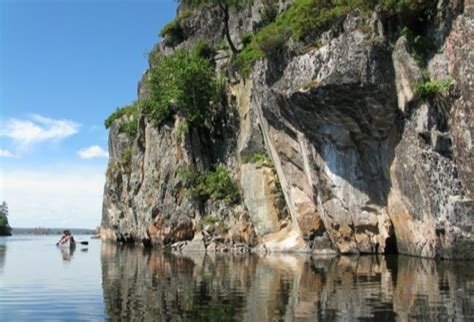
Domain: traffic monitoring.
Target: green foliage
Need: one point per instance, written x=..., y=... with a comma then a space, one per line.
x=274, y=41
x=129, y=127
x=199, y=3
x=245, y=60
x=124, y=162
x=420, y=47
x=269, y=12
x=182, y=83
x=5, y=229
x=433, y=88
x=128, y=124
x=261, y=158
x=182, y=128
x=406, y=8
x=213, y=185
x=247, y=38
x=278, y=187
x=204, y=50
x=173, y=32
x=125, y=159
x=207, y=220
x=129, y=110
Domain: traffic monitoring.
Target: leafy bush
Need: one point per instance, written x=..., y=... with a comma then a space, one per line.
x=433, y=88
x=274, y=41
x=204, y=50
x=129, y=127
x=261, y=158
x=128, y=124
x=213, y=185
x=173, y=32
x=217, y=184
x=129, y=110
x=182, y=83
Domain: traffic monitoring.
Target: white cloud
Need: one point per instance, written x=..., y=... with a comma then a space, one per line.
x=91, y=152
x=63, y=197
x=6, y=154
x=38, y=129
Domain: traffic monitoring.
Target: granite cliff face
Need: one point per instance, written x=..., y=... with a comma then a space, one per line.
x=343, y=146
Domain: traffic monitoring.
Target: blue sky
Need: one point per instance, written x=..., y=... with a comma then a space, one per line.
x=65, y=66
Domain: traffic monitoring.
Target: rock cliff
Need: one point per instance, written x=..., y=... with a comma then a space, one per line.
x=351, y=136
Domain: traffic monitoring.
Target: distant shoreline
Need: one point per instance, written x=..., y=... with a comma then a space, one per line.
x=50, y=231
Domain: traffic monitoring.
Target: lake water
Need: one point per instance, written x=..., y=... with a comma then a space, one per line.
x=39, y=282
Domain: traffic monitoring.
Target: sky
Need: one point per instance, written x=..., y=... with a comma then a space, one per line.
x=65, y=65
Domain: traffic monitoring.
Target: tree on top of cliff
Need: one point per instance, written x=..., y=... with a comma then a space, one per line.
x=5, y=229
x=224, y=6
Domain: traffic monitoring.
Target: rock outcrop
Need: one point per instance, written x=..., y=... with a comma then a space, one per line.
x=334, y=148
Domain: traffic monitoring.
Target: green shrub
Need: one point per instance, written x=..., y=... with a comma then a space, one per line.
x=217, y=184
x=129, y=127
x=204, y=50
x=213, y=185
x=173, y=32
x=182, y=128
x=128, y=124
x=261, y=158
x=247, y=38
x=274, y=41
x=245, y=60
x=269, y=12
x=182, y=83
x=433, y=88
x=129, y=110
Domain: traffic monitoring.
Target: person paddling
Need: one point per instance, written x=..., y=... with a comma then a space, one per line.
x=66, y=237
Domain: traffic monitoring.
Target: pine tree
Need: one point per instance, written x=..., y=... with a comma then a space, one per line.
x=5, y=229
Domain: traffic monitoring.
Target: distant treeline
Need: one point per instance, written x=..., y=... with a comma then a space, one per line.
x=50, y=231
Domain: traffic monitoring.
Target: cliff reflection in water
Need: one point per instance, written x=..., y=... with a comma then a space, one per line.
x=141, y=285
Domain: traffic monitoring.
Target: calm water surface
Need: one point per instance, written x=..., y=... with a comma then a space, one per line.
x=40, y=282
